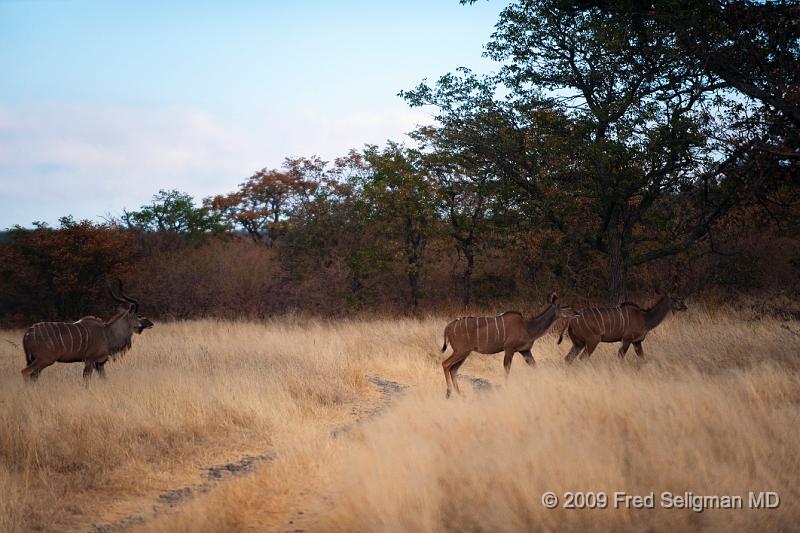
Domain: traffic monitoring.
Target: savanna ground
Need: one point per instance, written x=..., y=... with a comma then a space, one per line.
x=714, y=409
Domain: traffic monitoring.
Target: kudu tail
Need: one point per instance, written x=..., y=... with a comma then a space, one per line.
x=444, y=346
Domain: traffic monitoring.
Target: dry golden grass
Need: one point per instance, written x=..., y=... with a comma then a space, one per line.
x=714, y=410
x=188, y=393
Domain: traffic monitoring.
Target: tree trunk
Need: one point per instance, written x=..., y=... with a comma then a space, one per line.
x=413, y=283
x=414, y=245
x=466, y=276
x=617, y=265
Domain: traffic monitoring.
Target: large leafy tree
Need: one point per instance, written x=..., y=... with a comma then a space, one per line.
x=175, y=212
x=598, y=127
x=264, y=201
x=754, y=49
x=467, y=196
x=399, y=198
x=328, y=231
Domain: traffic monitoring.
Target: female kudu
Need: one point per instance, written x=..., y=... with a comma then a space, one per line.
x=509, y=332
x=628, y=323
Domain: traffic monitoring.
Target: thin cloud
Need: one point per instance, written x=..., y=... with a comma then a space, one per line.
x=94, y=160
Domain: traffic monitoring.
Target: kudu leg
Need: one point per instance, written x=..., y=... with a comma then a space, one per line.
x=31, y=372
x=446, y=369
x=624, y=348
x=454, y=371
x=637, y=347
x=590, y=346
x=528, y=358
x=88, y=368
x=101, y=371
x=574, y=351
x=509, y=356
x=446, y=366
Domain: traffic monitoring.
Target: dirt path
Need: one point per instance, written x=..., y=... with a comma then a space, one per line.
x=390, y=391
x=172, y=498
x=212, y=476
x=311, y=516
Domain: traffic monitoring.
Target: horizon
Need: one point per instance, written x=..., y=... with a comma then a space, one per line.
x=104, y=105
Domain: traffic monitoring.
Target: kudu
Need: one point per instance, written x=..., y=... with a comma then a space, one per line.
x=509, y=332
x=628, y=323
x=90, y=340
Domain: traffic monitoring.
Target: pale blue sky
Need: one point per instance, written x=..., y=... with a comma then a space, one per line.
x=104, y=103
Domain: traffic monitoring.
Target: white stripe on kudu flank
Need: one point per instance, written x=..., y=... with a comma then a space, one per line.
x=60, y=338
x=51, y=331
x=594, y=317
x=71, y=342
x=503, y=322
x=600, y=312
x=50, y=341
x=496, y=327
x=43, y=333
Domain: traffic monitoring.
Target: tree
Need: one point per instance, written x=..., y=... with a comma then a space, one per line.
x=399, y=197
x=466, y=201
x=753, y=47
x=596, y=124
x=61, y=273
x=263, y=202
x=174, y=212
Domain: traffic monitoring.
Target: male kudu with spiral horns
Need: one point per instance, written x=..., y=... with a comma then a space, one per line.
x=90, y=340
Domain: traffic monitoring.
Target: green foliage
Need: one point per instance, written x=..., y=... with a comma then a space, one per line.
x=591, y=123
x=614, y=137
x=173, y=212
x=400, y=199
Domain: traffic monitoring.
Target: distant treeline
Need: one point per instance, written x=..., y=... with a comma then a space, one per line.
x=342, y=254
x=617, y=144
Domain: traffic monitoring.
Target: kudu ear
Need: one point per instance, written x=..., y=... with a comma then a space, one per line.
x=553, y=298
